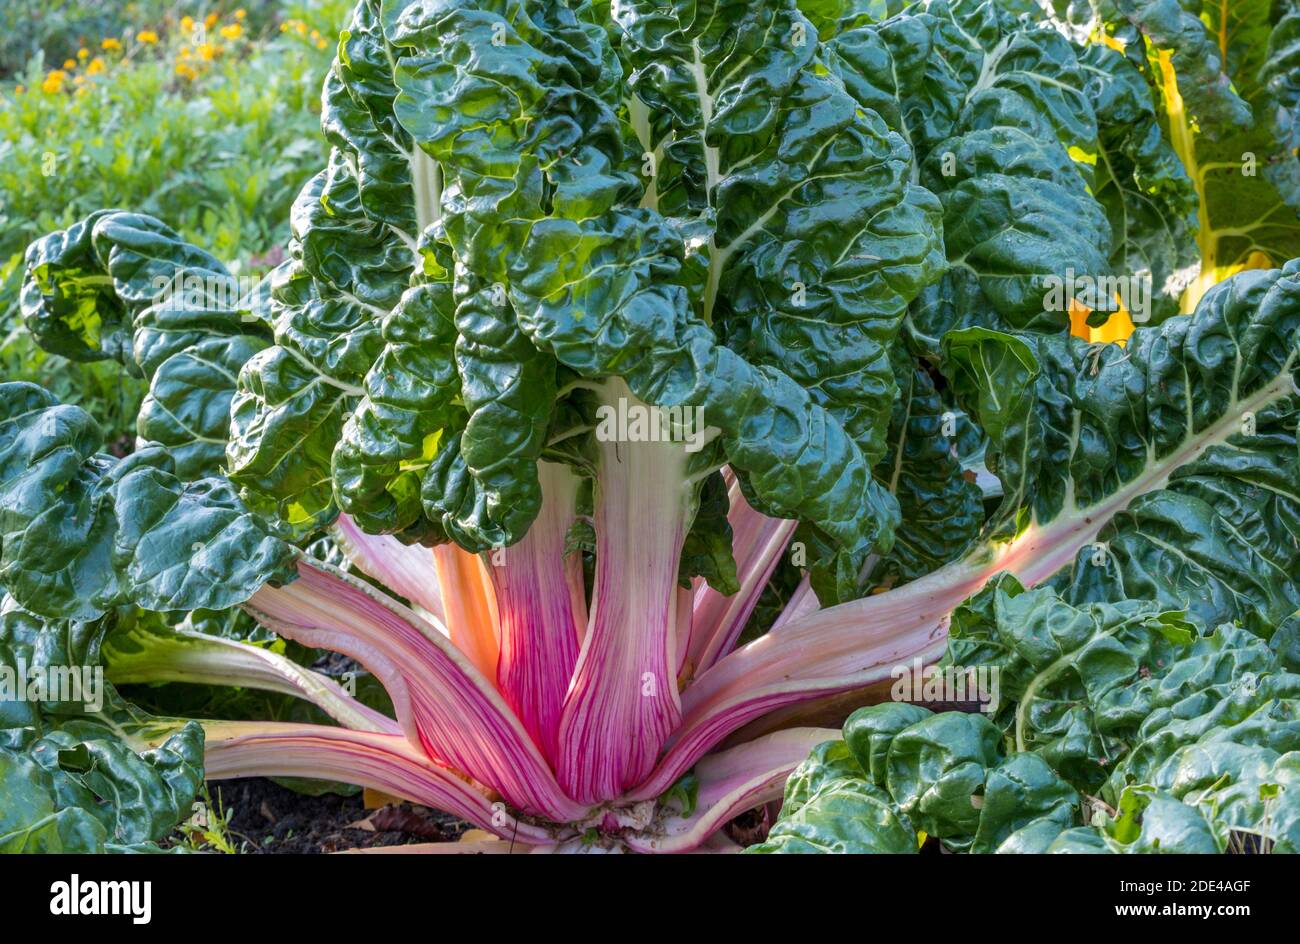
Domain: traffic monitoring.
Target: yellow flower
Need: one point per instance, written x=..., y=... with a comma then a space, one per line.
x=321, y=44
x=96, y=66
x=233, y=31
x=110, y=43
x=187, y=23
x=240, y=14
x=54, y=81
x=301, y=27
x=83, y=53
x=185, y=52
x=315, y=34
x=69, y=63
x=208, y=52
x=210, y=20
x=186, y=71
x=147, y=36
x=19, y=89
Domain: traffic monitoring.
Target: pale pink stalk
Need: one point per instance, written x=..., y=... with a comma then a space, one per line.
x=442, y=700
x=539, y=627
x=384, y=762
x=731, y=782
x=469, y=606
x=851, y=646
x=201, y=659
x=759, y=543
x=406, y=569
x=685, y=625
x=623, y=701
x=802, y=602
x=624, y=734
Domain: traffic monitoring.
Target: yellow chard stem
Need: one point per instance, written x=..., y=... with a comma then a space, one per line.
x=1183, y=139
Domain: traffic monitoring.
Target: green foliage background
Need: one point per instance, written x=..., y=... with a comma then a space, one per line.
x=219, y=157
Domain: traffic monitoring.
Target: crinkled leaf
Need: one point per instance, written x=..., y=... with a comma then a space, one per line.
x=1182, y=443
x=992, y=106
x=1022, y=789
x=942, y=509
x=81, y=533
x=870, y=731
x=125, y=286
x=1064, y=672
x=88, y=775
x=936, y=768
x=849, y=817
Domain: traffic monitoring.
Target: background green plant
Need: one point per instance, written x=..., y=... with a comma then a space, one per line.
x=57, y=28
x=219, y=156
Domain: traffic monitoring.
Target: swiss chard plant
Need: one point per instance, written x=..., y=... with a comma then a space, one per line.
x=599, y=317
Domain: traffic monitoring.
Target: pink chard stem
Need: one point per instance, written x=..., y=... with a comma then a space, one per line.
x=540, y=621
x=623, y=701
x=442, y=701
x=384, y=762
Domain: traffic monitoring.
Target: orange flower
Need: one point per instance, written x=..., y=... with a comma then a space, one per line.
x=210, y=20
x=69, y=64
x=54, y=82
